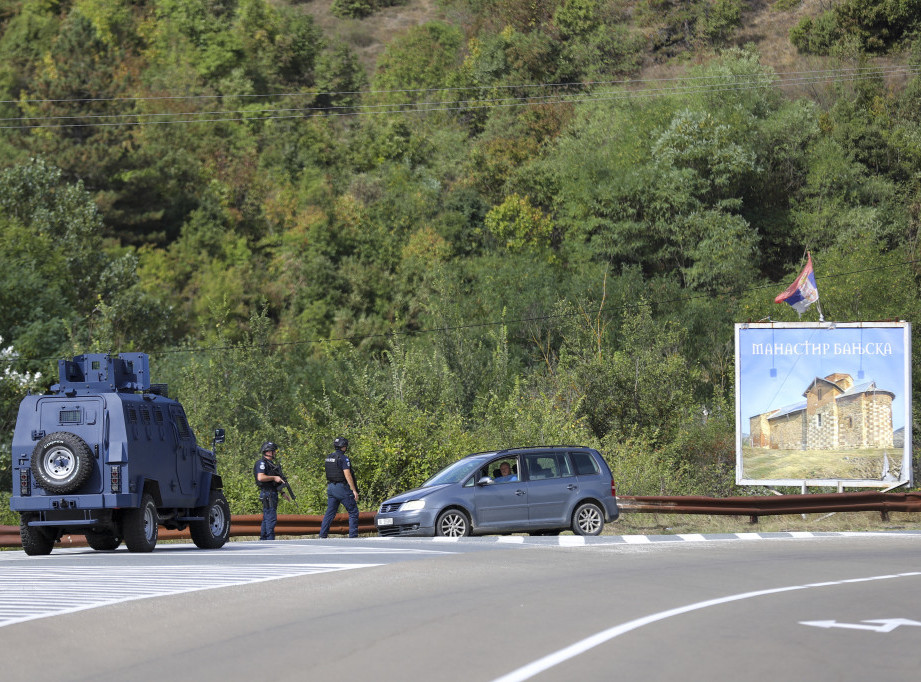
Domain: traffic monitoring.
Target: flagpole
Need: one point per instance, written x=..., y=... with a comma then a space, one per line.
x=818, y=303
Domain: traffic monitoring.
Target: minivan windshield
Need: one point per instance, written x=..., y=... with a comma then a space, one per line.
x=453, y=473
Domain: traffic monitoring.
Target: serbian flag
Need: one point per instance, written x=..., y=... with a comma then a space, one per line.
x=803, y=292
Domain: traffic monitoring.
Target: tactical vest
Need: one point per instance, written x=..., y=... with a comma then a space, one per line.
x=333, y=470
x=271, y=469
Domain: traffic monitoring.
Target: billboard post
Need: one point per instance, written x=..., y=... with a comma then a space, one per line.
x=823, y=404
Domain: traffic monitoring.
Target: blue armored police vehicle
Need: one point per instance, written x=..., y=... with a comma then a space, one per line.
x=110, y=455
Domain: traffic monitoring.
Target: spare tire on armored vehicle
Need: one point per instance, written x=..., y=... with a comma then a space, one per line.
x=108, y=454
x=62, y=462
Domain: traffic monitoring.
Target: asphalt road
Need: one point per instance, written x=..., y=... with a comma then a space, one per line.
x=840, y=607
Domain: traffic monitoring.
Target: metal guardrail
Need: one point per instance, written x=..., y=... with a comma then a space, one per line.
x=775, y=505
x=241, y=525
x=753, y=507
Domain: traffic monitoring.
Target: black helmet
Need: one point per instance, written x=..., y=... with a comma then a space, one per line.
x=341, y=443
x=269, y=445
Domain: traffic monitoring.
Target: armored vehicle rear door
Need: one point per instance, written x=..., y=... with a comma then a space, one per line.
x=82, y=416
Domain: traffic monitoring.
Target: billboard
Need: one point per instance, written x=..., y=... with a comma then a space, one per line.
x=823, y=404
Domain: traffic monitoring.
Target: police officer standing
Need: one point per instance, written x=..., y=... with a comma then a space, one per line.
x=340, y=488
x=268, y=477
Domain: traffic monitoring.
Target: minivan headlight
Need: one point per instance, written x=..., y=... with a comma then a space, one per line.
x=412, y=505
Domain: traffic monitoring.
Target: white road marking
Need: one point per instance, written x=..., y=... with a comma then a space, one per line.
x=885, y=624
x=557, y=657
x=636, y=539
x=40, y=591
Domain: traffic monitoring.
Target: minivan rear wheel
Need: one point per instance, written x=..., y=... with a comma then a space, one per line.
x=452, y=523
x=588, y=519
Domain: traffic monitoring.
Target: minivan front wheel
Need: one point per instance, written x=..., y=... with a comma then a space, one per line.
x=452, y=523
x=588, y=519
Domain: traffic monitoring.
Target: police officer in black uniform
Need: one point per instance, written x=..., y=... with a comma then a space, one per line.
x=340, y=488
x=268, y=477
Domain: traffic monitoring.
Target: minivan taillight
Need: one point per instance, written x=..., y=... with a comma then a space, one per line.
x=613, y=489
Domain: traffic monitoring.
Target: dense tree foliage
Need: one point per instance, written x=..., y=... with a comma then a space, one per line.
x=485, y=239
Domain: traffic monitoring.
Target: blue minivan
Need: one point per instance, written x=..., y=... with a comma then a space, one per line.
x=537, y=490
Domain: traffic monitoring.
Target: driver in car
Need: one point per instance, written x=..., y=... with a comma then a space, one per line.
x=506, y=475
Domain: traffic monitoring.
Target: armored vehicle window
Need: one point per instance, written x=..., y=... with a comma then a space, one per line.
x=70, y=417
x=158, y=415
x=145, y=415
x=132, y=415
x=182, y=424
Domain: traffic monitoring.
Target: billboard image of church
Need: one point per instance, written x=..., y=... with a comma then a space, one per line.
x=823, y=403
x=835, y=414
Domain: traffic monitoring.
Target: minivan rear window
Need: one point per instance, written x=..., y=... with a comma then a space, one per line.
x=583, y=463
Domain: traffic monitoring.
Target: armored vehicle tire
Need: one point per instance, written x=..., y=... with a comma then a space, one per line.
x=140, y=526
x=212, y=531
x=102, y=541
x=452, y=523
x=36, y=540
x=588, y=519
x=62, y=462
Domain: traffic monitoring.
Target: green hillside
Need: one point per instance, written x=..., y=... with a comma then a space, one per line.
x=446, y=227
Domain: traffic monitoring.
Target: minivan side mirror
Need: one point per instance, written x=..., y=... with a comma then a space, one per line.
x=486, y=480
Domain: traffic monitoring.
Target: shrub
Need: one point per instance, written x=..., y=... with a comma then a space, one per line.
x=816, y=36
x=353, y=9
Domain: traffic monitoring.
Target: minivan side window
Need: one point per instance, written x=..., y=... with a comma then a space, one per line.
x=583, y=463
x=547, y=465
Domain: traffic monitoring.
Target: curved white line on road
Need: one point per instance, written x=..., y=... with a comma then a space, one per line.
x=557, y=657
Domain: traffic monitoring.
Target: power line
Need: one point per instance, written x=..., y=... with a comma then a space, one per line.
x=267, y=114
x=538, y=318
x=489, y=323
x=621, y=82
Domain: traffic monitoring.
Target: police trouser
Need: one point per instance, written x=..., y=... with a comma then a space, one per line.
x=269, y=499
x=336, y=494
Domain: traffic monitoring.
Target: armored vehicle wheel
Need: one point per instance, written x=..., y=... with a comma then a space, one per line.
x=452, y=523
x=140, y=526
x=102, y=541
x=212, y=532
x=588, y=519
x=36, y=540
x=61, y=462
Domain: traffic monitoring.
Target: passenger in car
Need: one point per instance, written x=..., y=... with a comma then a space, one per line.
x=538, y=471
x=505, y=474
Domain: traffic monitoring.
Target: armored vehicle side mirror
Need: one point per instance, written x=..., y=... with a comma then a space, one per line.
x=218, y=436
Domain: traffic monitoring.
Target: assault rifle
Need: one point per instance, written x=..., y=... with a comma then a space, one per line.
x=286, y=486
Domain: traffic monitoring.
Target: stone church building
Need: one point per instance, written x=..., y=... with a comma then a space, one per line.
x=836, y=414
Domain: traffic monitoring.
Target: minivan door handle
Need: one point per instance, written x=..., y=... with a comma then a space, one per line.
x=519, y=492
x=572, y=487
